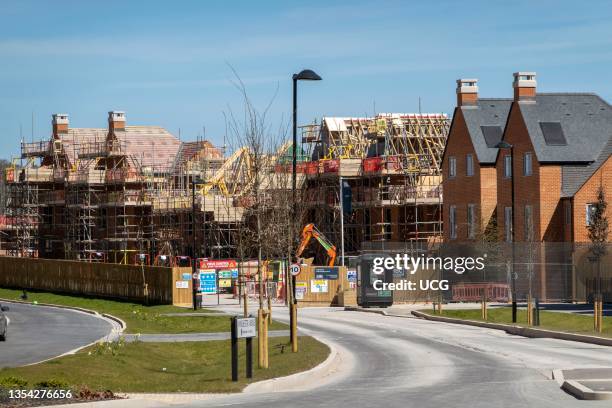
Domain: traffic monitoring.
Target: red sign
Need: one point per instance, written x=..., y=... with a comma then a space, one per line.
x=217, y=263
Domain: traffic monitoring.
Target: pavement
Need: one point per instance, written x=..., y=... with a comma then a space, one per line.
x=403, y=362
x=167, y=338
x=37, y=333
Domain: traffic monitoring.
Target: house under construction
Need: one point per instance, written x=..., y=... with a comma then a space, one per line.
x=129, y=194
x=389, y=167
x=126, y=194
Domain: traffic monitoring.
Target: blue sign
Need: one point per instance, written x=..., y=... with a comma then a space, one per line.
x=234, y=273
x=186, y=276
x=347, y=198
x=326, y=272
x=351, y=276
x=208, y=282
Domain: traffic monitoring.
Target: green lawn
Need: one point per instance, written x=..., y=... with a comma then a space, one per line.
x=139, y=318
x=567, y=322
x=139, y=367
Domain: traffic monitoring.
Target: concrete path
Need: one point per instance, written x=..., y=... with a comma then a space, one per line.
x=166, y=338
x=37, y=333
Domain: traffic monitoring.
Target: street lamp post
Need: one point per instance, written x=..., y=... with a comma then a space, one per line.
x=304, y=75
x=505, y=145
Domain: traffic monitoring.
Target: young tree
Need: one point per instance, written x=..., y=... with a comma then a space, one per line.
x=598, y=227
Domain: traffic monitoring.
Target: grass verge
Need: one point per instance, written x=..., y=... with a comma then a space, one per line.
x=164, y=367
x=138, y=318
x=557, y=321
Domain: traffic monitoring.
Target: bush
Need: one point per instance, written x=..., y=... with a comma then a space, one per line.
x=13, y=382
x=53, y=384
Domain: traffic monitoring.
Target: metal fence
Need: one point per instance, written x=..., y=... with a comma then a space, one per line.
x=551, y=272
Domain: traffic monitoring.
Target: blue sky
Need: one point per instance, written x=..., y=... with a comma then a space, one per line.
x=168, y=62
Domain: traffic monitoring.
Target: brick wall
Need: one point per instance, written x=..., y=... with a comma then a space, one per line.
x=463, y=190
x=541, y=190
x=588, y=194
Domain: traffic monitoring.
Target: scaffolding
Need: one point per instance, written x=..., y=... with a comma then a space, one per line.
x=128, y=194
x=390, y=165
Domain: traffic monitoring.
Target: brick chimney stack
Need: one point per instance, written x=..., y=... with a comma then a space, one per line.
x=524, y=86
x=116, y=120
x=467, y=92
x=60, y=123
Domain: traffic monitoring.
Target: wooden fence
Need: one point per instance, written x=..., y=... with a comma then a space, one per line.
x=93, y=279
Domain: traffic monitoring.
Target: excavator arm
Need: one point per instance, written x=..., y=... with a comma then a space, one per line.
x=309, y=232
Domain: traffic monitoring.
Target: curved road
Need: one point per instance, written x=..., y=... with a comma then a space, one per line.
x=408, y=362
x=37, y=333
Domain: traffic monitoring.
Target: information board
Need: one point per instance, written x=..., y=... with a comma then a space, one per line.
x=319, y=286
x=208, y=281
x=326, y=272
x=246, y=327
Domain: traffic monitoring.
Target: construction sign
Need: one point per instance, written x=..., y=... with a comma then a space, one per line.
x=217, y=263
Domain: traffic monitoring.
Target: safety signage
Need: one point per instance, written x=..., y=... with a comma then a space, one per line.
x=182, y=284
x=225, y=274
x=300, y=290
x=225, y=283
x=319, y=285
x=246, y=327
x=218, y=263
x=208, y=281
x=351, y=275
x=295, y=269
x=187, y=276
x=326, y=272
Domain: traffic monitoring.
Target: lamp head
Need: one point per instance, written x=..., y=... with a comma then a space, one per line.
x=503, y=145
x=306, y=75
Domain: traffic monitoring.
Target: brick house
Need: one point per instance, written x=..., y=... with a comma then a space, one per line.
x=558, y=155
x=468, y=165
x=562, y=144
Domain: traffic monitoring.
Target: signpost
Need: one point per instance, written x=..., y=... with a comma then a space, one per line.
x=243, y=328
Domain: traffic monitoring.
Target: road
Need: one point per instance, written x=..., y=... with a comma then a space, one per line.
x=37, y=333
x=408, y=362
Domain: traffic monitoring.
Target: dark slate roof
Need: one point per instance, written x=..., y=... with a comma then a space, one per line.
x=573, y=176
x=586, y=121
x=488, y=112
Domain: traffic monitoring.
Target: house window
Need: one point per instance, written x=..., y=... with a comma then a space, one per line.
x=453, y=221
x=508, y=224
x=528, y=223
x=590, y=213
x=527, y=170
x=452, y=167
x=471, y=220
x=469, y=165
x=508, y=166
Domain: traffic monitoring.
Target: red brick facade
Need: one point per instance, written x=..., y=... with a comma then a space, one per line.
x=588, y=194
x=462, y=190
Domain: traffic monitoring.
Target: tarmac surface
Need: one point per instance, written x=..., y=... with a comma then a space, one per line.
x=36, y=333
x=395, y=361
x=409, y=362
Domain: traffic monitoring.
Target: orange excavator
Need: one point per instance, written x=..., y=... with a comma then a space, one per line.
x=310, y=231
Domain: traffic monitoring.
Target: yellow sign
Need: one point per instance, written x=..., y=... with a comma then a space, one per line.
x=225, y=283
